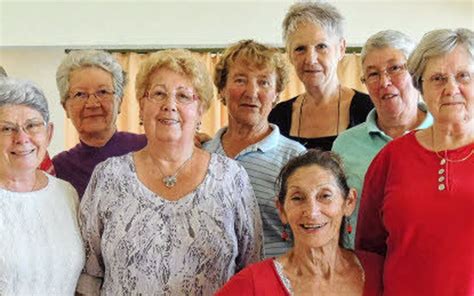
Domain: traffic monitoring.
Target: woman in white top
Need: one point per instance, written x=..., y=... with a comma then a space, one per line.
x=41, y=251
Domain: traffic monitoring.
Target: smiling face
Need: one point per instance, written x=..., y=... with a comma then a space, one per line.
x=250, y=94
x=315, y=54
x=314, y=206
x=452, y=102
x=394, y=93
x=175, y=112
x=21, y=152
x=93, y=116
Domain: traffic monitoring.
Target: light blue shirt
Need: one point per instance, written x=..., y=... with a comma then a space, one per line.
x=263, y=162
x=358, y=146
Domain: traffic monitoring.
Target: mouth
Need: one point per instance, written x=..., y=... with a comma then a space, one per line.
x=313, y=226
x=389, y=96
x=452, y=104
x=168, y=121
x=23, y=152
x=248, y=106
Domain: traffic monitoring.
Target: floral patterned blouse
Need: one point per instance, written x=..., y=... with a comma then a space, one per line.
x=139, y=243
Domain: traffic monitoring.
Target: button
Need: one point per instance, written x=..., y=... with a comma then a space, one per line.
x=441, y=179
x=441, y=187
x=441, y=171
x=443, y=161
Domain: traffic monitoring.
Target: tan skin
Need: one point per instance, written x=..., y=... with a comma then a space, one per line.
x=250, y=94
x=395, y=98
x=315, y=55
x=451, y=105
x=21, y=153
x=314, y=208
x=169, y=127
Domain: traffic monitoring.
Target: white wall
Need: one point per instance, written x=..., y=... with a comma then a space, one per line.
x=34, y=34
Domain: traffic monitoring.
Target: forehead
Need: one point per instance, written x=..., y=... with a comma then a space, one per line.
x=381, y=56
x=18, y=113
x=312, y=176
x=89, y=77
x=308, y=32
x=458, y=59
x=169, y=79
x=243, y=66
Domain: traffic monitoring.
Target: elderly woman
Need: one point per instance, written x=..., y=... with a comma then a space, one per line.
x=313, y=34
x=41, y=249
x=170, y=219
x=314, y=198
x=417, y=205
x=398, y=108
x=91, y=85
x=249, y=78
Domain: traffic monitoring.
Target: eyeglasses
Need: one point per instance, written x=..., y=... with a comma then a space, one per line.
x=182, y=96
x=374, y=76
x=440, y=80
x=30, y=127
x=101, y=94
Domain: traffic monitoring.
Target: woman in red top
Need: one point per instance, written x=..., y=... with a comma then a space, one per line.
x=314, y=199
x=418, y=197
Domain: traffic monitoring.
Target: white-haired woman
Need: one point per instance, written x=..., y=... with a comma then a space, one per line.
x=313, y=34
x=170, y=219
x=91, y=85
x=41, y=250
x=417, y=201
x=398, y=108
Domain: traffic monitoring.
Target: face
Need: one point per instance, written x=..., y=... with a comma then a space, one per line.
x=453, y=101
x=314, y=206
x=388, y=82
x=315, y=54
x=170, y=109
x=21, y=151
x=93, y=115
x=250, y=94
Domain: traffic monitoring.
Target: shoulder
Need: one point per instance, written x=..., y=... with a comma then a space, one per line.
x=224, y=167
x=282, y=108
x=63, y=189
x=115, y=166
x=65, y=156
x=350, y=135
x=287, y=145
x=131, y=139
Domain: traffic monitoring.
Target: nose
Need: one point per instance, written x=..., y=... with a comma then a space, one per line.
x=169, y=104
x=312, y=208
x=311, y=56
x=452, y=87
x=252, y=89
x=21, y=136
x=92, y=101
x=385, y=79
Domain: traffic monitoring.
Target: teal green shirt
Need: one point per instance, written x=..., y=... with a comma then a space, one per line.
x=357, y=147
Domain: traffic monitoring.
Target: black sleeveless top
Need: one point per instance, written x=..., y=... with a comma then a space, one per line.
x=281, y=116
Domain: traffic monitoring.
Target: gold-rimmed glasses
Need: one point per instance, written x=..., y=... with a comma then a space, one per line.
x=30, y=127
x=440, y=80
x=183, y=96
x=373, y=76
x=82, y=96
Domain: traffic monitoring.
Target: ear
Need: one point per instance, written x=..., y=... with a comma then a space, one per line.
x=350, y=202
x=50, y=132
x=342, y=48
x=281, y=211
x=276, y=99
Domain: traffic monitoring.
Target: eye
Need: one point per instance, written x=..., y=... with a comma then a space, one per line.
x=463, y=77
x=296, y=197
x=321, y=46
x=325, y=195
x=395, y=68
x=103, y=93
x=7, y=129
x=240, y=80
x=184, y=97
x=438, y=78
x=34, y=127
x=372, y=74
x=300, y=49
x=158, y=95
x=264, y=83
x=81, y=95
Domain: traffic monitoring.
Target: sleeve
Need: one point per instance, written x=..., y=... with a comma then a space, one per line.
x=248, y=223
x=240, y=284
x=371, y=234
x=91, y=227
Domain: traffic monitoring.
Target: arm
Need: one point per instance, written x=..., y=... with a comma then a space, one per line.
x=371, y=234
x=91, y=227
x=248, y=223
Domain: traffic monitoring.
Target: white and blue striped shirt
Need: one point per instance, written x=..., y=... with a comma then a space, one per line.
x=263, y=162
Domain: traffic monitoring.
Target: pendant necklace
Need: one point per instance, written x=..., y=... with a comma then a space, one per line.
x=300, y=118
x=170, y=180
x=445, y=158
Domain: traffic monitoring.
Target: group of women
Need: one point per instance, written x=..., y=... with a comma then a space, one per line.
x=160, y=216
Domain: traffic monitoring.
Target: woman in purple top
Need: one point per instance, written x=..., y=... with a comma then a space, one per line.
x=91, y=84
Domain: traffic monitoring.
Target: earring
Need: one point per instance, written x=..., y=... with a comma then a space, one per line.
x=198, y=126
x=348, y=225
x=284, y=234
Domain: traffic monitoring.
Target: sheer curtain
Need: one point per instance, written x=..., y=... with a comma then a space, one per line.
x=349, y=72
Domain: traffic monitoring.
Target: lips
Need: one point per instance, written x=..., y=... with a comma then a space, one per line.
x=389, y=96
x=168, y=121
x=22, y=152
x=313, y=226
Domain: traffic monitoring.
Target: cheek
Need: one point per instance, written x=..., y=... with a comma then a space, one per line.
x=233, y=94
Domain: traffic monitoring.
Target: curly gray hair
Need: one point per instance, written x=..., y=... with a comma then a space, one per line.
x=23, y=92
x=434, y=44
x=90, y=58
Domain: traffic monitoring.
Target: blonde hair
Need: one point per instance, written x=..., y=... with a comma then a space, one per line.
x=255, y=54
x=182, y=62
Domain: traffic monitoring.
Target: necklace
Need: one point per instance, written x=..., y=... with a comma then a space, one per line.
x=300, y=117
x=444, y=158
x=171, y=180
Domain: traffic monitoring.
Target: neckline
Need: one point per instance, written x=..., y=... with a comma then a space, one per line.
x=456, y=150
x=39, y=190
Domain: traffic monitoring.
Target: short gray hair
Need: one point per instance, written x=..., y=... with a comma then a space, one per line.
x=319, y=13
x=388, y=39
x=434, y=44
x=89, y=58
x=23, y=92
